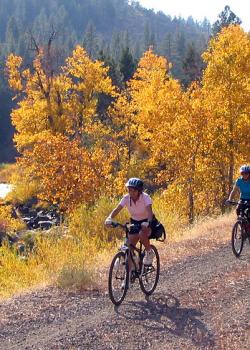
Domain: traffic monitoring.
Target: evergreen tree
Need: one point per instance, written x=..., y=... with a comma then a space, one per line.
x=116, y=46
x=226, y=18
x=192, y=65
x=181, y=44
x=166, y=46
x=90, y=40
x=11, y=35
x=114, y=71
x=127, y=64
x=146, y=37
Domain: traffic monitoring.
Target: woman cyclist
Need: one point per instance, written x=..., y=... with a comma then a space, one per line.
x=242, y=186
x=139, y=205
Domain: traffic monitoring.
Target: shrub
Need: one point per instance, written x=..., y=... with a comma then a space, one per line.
x=7, y=222
x=89, y=222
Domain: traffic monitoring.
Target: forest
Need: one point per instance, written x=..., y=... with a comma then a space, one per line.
x=89, y=112
x=85, y=125
x=111, y=30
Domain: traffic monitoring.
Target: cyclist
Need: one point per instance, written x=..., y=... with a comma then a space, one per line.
x=242, y=186
x=139, y=205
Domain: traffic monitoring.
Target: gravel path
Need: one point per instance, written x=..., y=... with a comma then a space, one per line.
x=202, y=302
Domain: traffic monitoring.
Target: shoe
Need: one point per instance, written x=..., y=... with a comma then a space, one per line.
x=148, y=258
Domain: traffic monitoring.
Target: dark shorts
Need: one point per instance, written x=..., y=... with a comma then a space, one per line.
x=136, y=228
x=243, y=204
x=137, y=225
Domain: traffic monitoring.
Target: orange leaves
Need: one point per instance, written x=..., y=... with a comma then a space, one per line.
x=226, y=84
x=62, y=142
x=13, y=65
x=67, y=172
x=190, y=139
x=65, y=103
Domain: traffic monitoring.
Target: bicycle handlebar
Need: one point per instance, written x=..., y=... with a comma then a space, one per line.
x=117, y=224
x=236, y=203
x=231, y=202
x=126, y=226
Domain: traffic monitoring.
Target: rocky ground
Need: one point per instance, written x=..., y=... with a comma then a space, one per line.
x=202, y=302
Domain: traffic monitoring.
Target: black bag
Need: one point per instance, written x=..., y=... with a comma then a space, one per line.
x=158, y=231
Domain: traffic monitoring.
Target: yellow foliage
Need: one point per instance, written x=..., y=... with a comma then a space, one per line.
x=7, y=222
x=6, y=172
x=16, y=274
x=57, y=260
x=65, y=103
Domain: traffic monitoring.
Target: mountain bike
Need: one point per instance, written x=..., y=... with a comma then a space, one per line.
x=127, y=266
x=241, y=228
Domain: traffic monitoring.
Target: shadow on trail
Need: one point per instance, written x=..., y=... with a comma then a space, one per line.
x=163, y=313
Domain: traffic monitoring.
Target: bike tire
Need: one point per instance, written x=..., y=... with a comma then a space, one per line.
x=237, y=238
x=118, y=278
x=146, y=287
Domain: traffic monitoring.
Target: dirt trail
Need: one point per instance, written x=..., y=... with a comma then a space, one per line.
x=202, y=302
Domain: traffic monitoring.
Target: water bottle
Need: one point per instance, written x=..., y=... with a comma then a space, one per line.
x=124, y=247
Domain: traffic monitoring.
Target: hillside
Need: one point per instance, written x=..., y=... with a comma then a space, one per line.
x=201, y=302
x=104, y=27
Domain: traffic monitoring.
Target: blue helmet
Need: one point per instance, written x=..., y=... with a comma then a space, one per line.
x=135, y=183
x=245, y=169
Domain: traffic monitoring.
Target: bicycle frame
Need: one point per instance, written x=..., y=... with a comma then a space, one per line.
x=148, y=275
x=129, y=249
x=241, y=228
x=242, y=217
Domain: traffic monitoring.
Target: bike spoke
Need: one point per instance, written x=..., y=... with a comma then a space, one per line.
x=238, y=238
x=150, y=276
x=118, y=278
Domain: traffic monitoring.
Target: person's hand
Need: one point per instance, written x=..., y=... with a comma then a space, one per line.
x=108, y=221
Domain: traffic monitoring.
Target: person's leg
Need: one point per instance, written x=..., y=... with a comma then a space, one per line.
x=240, y=207
x=144, y=234
x=133, y=239
x=144, y=238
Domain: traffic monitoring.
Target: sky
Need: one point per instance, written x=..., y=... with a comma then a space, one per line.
x=199, y=9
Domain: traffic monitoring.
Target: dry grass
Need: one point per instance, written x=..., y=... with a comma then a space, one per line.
x=81, y=256
x=6, y=172
x=64, y=261
x=202, y=237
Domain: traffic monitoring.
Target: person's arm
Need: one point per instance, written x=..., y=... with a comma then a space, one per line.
x=150, y=212
x=113, y=214
x=233, y=192
x=116, y=211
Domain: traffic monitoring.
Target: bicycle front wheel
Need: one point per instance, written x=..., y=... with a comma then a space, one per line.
x=238, y=233
x=118, y=278
x=150, y=274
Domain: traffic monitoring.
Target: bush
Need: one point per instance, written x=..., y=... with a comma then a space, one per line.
x=7, y=222
x=89, y=222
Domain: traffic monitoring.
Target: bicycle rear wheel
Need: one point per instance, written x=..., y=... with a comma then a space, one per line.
x=150, y=275
x=238, y=233
x=118, y=278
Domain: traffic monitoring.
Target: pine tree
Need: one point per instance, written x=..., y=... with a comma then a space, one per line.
x=127, y=64
x=11, y=35
x=192, y=65
x=90, y=40
x=226, y=18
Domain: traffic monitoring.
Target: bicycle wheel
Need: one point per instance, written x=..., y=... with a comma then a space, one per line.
x=237, y=238
x=118, y=278
x=150, y=275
